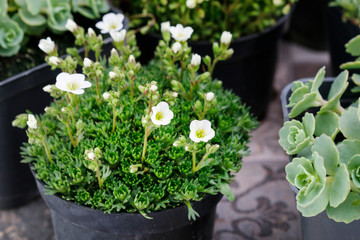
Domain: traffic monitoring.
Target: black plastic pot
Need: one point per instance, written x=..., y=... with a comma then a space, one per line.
x=74, y=222
x=249, y=72
x=339, y=33
x=17, y=94
x=321, y=227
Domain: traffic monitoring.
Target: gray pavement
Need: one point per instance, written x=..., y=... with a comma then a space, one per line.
x=264, y=207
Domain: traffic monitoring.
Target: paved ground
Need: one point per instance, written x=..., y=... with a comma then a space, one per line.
x=264, y=207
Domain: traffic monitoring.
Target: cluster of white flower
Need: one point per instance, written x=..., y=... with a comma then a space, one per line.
x=192, y=3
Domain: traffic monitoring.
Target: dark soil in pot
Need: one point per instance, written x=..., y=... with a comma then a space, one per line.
x=19, y=93
x=249, y=72
x=74, y=222
x=321, y=227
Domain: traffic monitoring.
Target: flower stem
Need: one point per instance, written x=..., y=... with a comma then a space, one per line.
x=114, y=118
x=74, y=143
x=47, y=150
x=198, y=165
x=147, y=133
x=97, y=87
x=98, y=176
x=193, y=161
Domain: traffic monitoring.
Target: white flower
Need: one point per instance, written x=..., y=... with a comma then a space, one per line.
x=70, y=25
x=91, y=32
x=118, y=36
x=31, y=122
x=225, y=37
x=209, y=96
x=87, y=62
x=106, y=95
x=165, y=27
x=174, y=94
x=277, y=2
x=176, y=47
x=48, y=88
x=54, y=60
x=161, y=114
x=131, y=59
x=181, y=34
x=91, y=156
x=113, y=51
x=191, y=3
x=112, y=74
x=110, y=22
x=153, y=88
x=47, y=45
x=196, y=59
x=74, y=83
x=201, y=131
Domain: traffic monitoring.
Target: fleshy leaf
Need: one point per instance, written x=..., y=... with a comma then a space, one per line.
x=350, y=65
x=297, y=95
x=225, y=189
x=318, y=80
x=356, y=78
x=326, y=123
x=349, y=124
x=354, y=167
x=347, y=211
x=326, y=148
x=32, y=20
x=309, y=100
x=340, y=188
x=353, y=46
x=318, y=205
x=3, y=8
x=34, y=7
x=347, y=149
x=309, y=124
x=338, y=87
x=292, y=168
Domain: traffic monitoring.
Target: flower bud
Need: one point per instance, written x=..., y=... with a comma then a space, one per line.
x=209, y=96
x=106, y=95
x=112, y=74
x=113, y=51
x=91, y=32
x=225, y=37
x=165, y=27
x=48, y=88
x=32, y=122
x=47, y=45
x=87, y=62
x=153, y=88
x=91, y=156
x=176, y=47
x=131, y=59
x=196, y=59
x=70, y=25
x=191, y=3
x=118, y=36
x=174, y=94
x=54, y=60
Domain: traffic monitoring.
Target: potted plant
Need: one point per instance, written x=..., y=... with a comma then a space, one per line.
x=136, y=152
x=342, y=21
x=256, y=27
x=24, y=73
x=322, y=139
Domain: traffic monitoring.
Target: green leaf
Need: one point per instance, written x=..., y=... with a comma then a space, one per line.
x=326, y=123
x=226, y=190
x=309, y=124
x=318, y=80
x=353, y=46
x=347, y=149
x=318, y=205
x=340, y=188
x=34, y=7
x=350, y=65
x=347, y=211
x=338, y=87
x=292, y=168
x=297, y=95
x=356, y=78
x=326, y=148
x=349, y=123
x=32, y=20
x=3, y=8
x=309, y=100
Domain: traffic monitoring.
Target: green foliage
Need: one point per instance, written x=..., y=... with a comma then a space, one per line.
x=350, y=10
x=326, y=169
x=33, y=17
x=95, y=152
x=209, y=18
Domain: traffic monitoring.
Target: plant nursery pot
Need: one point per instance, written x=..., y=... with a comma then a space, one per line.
x=19, y=93
x=339, y=33
x=249, y=72
x=73, y=222
x=321, y=227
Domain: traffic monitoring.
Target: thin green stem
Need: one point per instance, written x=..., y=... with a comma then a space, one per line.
x=74, y=143
x=193, y=161
x=203, y=158
x=99, y=177
x=47, y=150
x=114, y=118
x=97, y=87
x=147, y=133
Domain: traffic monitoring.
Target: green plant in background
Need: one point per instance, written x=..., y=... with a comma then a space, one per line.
x=326, y=169
x=20, y=19
x=124, y=137
x=210, y=18
x=350, y=10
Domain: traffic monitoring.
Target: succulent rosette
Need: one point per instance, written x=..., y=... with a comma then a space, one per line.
x=11, y=35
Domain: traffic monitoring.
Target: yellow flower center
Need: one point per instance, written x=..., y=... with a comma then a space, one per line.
x=112, y=26
x=72, y=86
x=200, y=133
x=159, y=116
